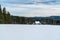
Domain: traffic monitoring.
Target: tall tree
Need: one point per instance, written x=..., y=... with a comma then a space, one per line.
x=0, y=9
x=1, y=15
x=8, y=18
x=4, y=14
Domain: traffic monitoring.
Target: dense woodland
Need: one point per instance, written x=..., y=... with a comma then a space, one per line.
x=5, y=16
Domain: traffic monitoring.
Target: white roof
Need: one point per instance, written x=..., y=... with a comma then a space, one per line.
x=37, y=22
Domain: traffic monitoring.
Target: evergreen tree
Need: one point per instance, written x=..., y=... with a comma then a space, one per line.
x=18, y=20
x=4, y=14
x=0, y=9
x=8, y=18
x=22, y=20
x=1, y=15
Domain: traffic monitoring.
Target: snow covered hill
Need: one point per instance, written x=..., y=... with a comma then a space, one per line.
x=29, y=32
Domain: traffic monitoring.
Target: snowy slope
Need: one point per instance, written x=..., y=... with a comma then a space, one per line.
x=29, y=32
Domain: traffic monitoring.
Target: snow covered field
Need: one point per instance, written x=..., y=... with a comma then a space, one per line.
x=29, y=32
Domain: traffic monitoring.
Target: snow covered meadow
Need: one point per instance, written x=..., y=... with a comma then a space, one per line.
x=29, y=32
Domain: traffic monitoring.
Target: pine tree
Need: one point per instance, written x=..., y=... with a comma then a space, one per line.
x=18, y=20
x=8, y=18
x=4, y=14
x=0, y=9
x=1, y=16
x=22, y=20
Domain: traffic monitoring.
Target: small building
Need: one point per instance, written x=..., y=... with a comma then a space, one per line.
x=37, y=22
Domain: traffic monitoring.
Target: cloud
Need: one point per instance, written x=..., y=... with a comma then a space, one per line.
x=32, y=7
x=33, y=10
x=29, y=1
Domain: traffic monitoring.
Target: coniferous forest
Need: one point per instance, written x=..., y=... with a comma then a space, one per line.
x=5, y=16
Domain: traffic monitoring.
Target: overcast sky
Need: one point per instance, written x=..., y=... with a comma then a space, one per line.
x=30, y=8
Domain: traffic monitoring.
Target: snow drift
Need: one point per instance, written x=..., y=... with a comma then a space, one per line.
x=29, y=32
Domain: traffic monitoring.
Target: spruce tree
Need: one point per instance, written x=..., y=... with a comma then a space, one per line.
x=1, y=16
x=4, y=14
x=18, y=20
x=0, y=9
x=8, y=18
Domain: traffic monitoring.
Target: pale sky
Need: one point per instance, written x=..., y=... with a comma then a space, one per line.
x=31, y=8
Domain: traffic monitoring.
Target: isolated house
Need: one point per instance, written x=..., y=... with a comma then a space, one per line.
x=37, y=22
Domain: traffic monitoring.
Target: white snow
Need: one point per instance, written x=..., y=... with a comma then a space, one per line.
x=37, y=22
x=29, y=32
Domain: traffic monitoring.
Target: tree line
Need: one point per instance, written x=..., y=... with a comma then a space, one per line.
x=7, y=18
x=4, y=16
